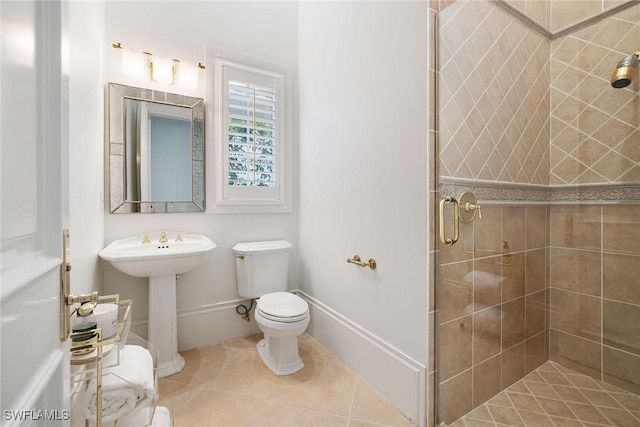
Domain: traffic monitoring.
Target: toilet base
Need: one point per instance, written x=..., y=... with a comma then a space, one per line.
x=280, y=355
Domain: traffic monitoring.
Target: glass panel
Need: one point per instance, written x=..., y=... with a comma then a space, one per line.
x=534, y=129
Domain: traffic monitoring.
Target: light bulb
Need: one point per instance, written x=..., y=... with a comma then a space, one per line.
x=162, y=70
x=135, y=64
x=188, y=75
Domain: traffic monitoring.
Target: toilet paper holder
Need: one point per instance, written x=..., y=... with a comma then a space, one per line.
x=358, y=261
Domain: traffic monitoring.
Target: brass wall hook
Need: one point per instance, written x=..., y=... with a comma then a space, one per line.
x=358, y=261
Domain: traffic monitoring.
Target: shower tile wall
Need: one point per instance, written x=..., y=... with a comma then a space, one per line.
x=595, y=250
x=492, y=319
x=595, y=305
x=555, y=15
x=494, y=96
x=538, y=10
x=509, y=113
x=565, y=13
x=595, y=129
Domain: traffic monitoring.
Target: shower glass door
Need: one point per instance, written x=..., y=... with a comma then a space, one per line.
x=529, y=122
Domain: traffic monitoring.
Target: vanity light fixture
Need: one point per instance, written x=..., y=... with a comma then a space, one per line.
x=144, y=65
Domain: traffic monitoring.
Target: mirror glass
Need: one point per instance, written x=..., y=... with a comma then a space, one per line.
x=156, y=151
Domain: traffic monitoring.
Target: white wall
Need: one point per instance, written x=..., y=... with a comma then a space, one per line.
x=363, y=165
x=362, y=169
x=185, y=30
x=86, y=143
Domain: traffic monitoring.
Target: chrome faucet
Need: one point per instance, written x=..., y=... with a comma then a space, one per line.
x=163, y=238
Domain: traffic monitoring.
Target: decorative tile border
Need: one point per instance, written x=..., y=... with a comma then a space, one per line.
x=605, y=193
x=506, y=192
x=489, y=191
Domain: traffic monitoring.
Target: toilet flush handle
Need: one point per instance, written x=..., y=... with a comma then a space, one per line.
x=241, y=256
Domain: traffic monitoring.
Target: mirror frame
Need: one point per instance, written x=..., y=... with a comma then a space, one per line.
x=118, y=202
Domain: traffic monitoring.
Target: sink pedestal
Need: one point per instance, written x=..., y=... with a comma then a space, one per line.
x=163, y=328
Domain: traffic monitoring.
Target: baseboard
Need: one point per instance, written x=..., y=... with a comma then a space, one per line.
x=400, y=379
x=206, y=325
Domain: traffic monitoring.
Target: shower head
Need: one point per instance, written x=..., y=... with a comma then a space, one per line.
x=625, y=71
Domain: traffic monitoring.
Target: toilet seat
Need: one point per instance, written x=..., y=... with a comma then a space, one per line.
x=283, y=307
x=284, y=319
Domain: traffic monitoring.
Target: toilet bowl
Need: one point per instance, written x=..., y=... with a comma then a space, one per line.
x=282, y=317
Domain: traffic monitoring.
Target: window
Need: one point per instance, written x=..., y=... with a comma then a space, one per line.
x=252, y=134
x=251, y=139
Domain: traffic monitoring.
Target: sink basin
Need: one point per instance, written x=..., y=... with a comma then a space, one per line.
x=138, y=259
x=160, y=262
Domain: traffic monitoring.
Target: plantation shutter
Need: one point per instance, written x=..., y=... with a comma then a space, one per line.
x=252, y=134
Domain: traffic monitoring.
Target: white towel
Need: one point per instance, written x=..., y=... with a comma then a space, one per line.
x=126, y=388
x=161, y=418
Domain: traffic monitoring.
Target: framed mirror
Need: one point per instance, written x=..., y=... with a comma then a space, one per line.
x=156, y=151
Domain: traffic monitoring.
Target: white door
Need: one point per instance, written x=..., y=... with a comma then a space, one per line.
x=34, y=362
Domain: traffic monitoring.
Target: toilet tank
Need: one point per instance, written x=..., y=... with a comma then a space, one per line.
x=261, y=267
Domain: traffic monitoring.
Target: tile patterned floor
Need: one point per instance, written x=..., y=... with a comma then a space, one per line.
x=227, y=385
x=556, y=396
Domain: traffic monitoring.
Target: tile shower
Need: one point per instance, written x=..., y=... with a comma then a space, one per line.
x=534, y=128
x=594, y=313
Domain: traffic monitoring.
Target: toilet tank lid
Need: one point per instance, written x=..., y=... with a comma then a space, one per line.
x=268, y=246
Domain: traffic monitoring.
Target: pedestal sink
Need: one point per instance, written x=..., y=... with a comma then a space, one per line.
x=160, y=256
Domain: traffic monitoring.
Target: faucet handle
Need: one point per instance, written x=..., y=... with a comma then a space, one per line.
x=145, y=239
x=179, y=237
x=470, y=207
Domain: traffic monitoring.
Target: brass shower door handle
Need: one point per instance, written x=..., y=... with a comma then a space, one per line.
x=456, y=221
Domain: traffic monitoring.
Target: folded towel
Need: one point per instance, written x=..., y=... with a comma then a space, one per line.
x=161, y=418
x=126, y=388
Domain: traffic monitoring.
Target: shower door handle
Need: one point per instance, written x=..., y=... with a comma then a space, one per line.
x=456, y=221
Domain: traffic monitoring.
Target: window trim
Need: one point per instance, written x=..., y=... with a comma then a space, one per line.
x=228, y=199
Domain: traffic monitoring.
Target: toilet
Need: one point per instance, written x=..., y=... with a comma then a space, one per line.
x=262, y=269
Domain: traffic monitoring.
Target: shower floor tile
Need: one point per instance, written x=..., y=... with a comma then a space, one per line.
x=227, y=385
x=553, y=395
